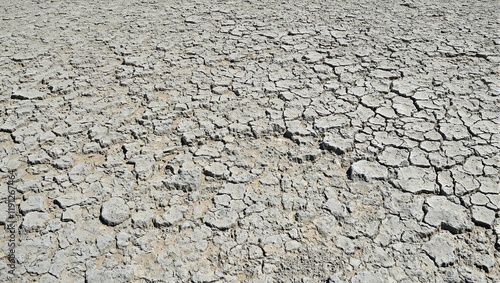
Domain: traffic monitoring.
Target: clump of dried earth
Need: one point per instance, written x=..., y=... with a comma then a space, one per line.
x=251, y=141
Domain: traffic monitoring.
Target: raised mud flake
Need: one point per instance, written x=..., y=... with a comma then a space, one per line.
x=173, y=215
x=368, y=276
x=474, y=165
x=441, y=249
x=392, y=156
x=40, y=157
x=345, y=244
x=216, y=170
x=28, y=94
x=464, y=183
x=64, y=162
x=386, y=112
x=205, y=276
x=120, y=275
x=483, y=216
x=453, y=131
x=337, y=144
x=35, y=221
x=339, y=62
x=70, y=199
x=443, y=213
x=236, y=191
x=332, y=121
x=416, y=180
x=221, y=219
x=142, y=219
x=144, y=166
x=32, y=203
x=367, y=170
x=35, y=254
x=489, y=185
x=403, y=87
x=71, y=214
x=303, y=155
x=210, y=150
x=335, y=207
x=8, y=164
x=187, y=180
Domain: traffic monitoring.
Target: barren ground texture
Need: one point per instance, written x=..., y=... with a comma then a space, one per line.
x=250, y=141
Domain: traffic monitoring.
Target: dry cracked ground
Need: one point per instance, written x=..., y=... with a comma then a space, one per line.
x=250, y=141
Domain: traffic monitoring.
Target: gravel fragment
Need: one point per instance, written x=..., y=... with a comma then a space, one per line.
x=114, y=211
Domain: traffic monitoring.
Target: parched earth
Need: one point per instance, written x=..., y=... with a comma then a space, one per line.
x=250, y=141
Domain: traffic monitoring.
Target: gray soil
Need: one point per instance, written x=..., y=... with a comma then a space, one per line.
x=250, y=141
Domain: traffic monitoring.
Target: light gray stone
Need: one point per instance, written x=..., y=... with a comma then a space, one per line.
x=114, y=211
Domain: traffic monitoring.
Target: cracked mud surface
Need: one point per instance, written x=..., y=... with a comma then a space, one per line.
x=251, y=141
